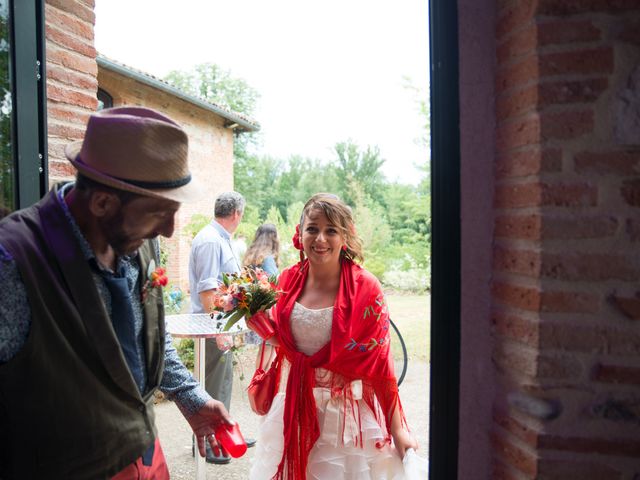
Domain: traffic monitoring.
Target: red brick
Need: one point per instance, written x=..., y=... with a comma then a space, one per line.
x=630, y=191
x=521, y=43
x=525, y=298
x=518, y=133
x=65, y=131
x=581, y=62
x=630, y=32
x=572, y=338
x=566, y=125
x=525, y=433
x=569, y=302
x=513, y=17
x=571, y=7
x=537, y=194
x=569, y=195
x=529, y=162
x=60, y=112
x=82, y=46
x=72, y=78
x=515, y=360
x=629, y=306
x=61, y=169
x=56, y=149
x=524, y=262
x=566, y=92
x=558, y=367
x=524, y=72
x=623, y=343
x=558, y=32
x=60, y=94
x=606, y=373
x=538, y=97
x=613, y=162
x=526, y=227
x=71, y=23
x=517, y=196
x=604, y=446
x=575, y=470
x=75, y=8
x=587, y=226
x=71, y=60
x=501, y=471
x=589, y=267
x=513, y=455
x=515, y=328
x=516, y=102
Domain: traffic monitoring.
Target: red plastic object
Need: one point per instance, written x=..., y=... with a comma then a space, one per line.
x=231, y=439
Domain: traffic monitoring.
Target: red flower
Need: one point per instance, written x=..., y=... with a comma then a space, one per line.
x=158, y=278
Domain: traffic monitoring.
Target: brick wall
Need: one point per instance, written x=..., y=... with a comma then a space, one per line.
x=71, y=77
x=210, y=156
x=566, y=270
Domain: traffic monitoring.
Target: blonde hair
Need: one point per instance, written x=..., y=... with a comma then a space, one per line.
x=339, y=214
x=264, y=243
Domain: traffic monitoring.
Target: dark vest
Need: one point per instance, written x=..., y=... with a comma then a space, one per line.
x=69, y=407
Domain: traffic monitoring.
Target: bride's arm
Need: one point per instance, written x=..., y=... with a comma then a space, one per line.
x=402, y=438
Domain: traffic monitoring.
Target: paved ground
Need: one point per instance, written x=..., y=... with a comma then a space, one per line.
x=175, y=433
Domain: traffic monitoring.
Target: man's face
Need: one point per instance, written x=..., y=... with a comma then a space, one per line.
x=140, y=219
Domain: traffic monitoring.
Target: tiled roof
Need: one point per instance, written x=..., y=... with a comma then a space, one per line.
x=241, y=121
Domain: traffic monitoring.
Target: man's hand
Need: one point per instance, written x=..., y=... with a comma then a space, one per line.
x=204, y=423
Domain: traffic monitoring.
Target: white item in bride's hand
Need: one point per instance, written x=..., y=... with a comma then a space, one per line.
x=415, y=467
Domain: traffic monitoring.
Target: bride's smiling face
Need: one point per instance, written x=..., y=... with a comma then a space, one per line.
x=321, y=240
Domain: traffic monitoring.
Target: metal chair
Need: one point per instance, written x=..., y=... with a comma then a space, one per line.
x=399, y=352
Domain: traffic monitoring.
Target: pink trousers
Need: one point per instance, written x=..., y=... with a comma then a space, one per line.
x=137, y=471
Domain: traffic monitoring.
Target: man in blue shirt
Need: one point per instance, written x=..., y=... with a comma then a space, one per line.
x=82, y=338
x=212, y=254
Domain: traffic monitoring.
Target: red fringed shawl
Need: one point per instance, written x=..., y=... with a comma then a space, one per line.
x=358, y=350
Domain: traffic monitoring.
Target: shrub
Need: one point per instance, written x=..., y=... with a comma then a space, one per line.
x=415, y=280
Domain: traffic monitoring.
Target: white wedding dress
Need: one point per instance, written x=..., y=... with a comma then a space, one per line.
x=332, y=457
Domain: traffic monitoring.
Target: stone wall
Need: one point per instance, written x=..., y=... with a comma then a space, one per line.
x=565, y=308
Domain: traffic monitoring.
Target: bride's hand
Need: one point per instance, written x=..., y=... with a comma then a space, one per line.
x=403, y=440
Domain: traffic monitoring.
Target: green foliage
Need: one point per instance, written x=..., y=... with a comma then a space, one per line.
x=215, y=84
x=198, y=222
x=184, y=347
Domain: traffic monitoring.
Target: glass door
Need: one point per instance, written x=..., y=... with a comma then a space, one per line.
x=7, y=167
x=23, y=142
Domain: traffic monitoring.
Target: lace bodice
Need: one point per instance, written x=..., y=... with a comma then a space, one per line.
x=311, y=328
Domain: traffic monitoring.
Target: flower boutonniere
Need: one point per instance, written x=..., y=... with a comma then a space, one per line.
x=156, y=277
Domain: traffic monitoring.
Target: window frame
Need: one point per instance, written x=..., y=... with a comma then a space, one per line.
x=28, y=66
x=446, y=241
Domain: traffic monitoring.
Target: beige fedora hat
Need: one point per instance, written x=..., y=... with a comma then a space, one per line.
x=138, y=150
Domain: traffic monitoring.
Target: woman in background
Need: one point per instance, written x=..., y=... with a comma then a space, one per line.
x=263, y=251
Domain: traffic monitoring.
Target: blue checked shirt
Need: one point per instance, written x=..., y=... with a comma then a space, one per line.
x=15, y=320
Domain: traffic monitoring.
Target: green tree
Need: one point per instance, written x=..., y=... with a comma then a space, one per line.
x=361, y=167
x=215, y=84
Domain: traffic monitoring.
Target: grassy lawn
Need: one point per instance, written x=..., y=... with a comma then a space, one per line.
x=411, y=315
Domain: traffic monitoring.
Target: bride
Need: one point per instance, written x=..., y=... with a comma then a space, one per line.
x=338, y=413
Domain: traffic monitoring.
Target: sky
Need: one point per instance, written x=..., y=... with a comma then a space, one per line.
x=326, y=71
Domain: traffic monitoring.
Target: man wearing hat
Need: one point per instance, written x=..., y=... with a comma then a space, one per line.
x=82, y=338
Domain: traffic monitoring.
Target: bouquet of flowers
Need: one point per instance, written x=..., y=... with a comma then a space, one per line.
x=244, y=294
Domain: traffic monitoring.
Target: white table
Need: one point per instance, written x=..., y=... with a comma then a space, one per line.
x=200, y=326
